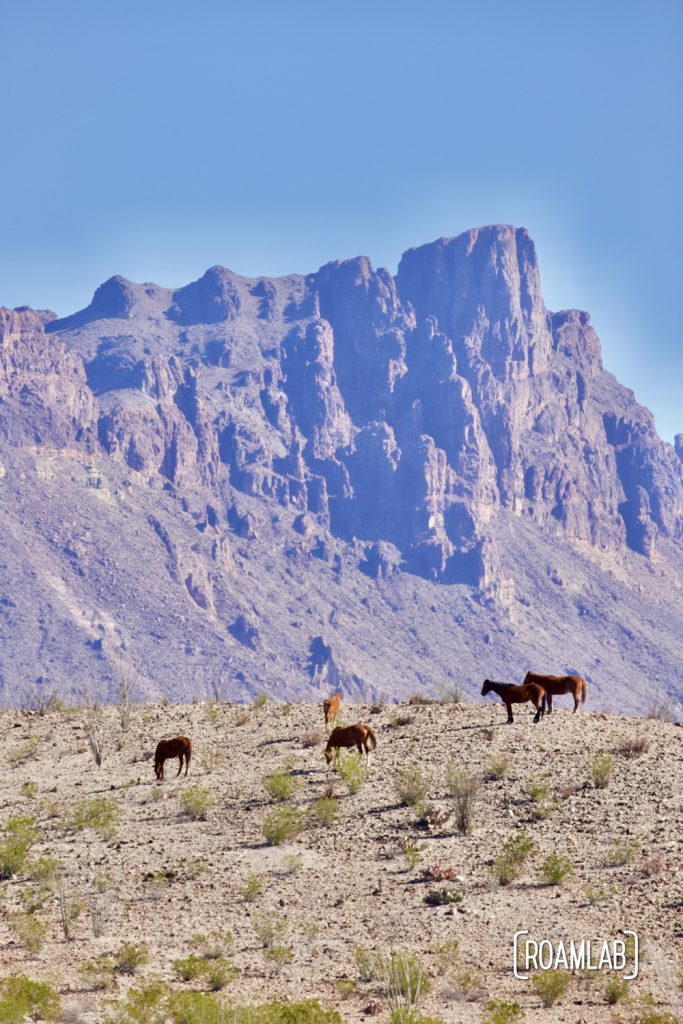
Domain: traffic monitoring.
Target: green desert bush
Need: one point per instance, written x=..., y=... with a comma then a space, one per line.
x=538, y=792
x=412, y=852
x=497, y=1011
x=405, y=981
x=650, y=1016
x=196, y=802
x=25, y=752
x=212, y=946
x=20, y=997
x=29, y=790
x=498, y=766
x=280, y=785
x=556, y=868
x=464, y=789
x=367, y=964
x=21, y=832
x=251, y=888
x=446, y=957
x=283, y=824
x=411, y=786
x=130, y=957
x=100, y=813
x=351, y=770
x=28, y=930
x=551, y=985
x=616, y=990
x=219, y=973
x=278, y=956
x=325, y=810
x=601, y=766
x=623, y=852
x=508, y=865
x=270, y=928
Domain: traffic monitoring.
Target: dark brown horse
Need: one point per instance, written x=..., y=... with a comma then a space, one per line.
x=180, y=747
x=555, y=685
x=511, y=694
x=357, y=735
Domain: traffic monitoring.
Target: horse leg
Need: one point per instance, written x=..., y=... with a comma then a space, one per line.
x=510, y=718
x=550, y=703
x=537, y=716
x=576, y=702
x=180, y=764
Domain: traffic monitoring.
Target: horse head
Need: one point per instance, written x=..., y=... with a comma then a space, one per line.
x=486, y=688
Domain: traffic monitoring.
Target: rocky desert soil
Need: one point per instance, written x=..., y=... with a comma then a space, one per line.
x=337, y=887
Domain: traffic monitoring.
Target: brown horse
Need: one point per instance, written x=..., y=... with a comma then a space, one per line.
x=555, y=685
x=511, y=694
x=357, y=735
x=180, y=747
x=331, y=708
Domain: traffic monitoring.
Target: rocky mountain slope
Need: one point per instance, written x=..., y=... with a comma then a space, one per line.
x=339, y=479
x=364, y=872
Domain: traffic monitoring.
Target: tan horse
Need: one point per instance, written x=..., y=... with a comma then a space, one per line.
x=180, y=747
x=357, y=735
x=511, y=694
x=331, y=708
x=556, y=685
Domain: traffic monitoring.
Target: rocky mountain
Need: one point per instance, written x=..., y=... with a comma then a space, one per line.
x=382, y=483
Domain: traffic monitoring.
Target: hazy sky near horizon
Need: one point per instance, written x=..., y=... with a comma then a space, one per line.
x=156, y=139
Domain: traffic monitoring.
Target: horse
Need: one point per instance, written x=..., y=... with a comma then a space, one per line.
x=511, y=694
x=357, y=735
x=331, y=708
x=554, y=685
x=180, y=747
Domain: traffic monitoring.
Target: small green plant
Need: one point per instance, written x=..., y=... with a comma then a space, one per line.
x=351, y=770
x=412, y=852
x=623, y=852
x=70, y=909
x=595, y=896
x=442, y=897
x=25, y=752
x=189, y=967
x=405, y=981
x=196, y=802
x=497, y=1011
x=29, y=790
x=130, y=957
x=601, y=766
x=283, y=824
x=551, y=985
x=292, y=863
x=145, y=1005
x=657, y=1017
x=212, y=946
x=400, y=721
x=346, y=987
x=446, y=957
x=509, y=864
x=634, y=746
x=464, y=789
x=280, y=785
x=21, y=832
x=556, y=868
x=20, y=998
x=278, y=956
x=100, y=813
x=538, y=792
x=367, y=964
x=44, y=870
x=325, y=810
x=28, y=930
x=616, y=990
x=259, y=701
x=251, y=888
x=498, y=766
x=411, y=786
x=270, y=928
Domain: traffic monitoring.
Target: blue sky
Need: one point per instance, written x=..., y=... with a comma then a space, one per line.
x=154, y=139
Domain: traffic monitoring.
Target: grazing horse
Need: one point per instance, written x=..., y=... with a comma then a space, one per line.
x=180, y=747
x=554, y=685
x=357, y=735
x=511, y=694
x=331, y=708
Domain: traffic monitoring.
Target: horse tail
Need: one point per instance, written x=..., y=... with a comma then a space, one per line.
x=372, y=737
x=583, y=691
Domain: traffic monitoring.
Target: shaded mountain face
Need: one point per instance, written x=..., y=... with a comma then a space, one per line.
x=395, y=472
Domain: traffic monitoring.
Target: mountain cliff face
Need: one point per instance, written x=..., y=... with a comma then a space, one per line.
x=253, y=471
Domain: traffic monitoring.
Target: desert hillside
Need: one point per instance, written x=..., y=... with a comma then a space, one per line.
x=154, y=864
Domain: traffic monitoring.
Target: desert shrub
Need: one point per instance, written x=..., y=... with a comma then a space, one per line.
x=27, y=750
x=451, y=694
x=98, y=974
x=70, y=909
x=446, y=956
x=634, y=746
x=556, y=868
x=146, y=1005
x=259, y=701
x=193, y=1008
x=346, y=987
x=498, y=766
x=657, y=1017
x=616, y=990
x=196, y=802
x=280, y=785
x=399, y=720
x=325, y=810
x=404, y=1016
x=44, y=870
x=595, y=896
x=189, y=967
x=28, y=930
x=212, y=946
x=662, y=711
x=602, y=766
x=94, y=733
x=311, y=739
x=21, y=832
x=100, y=813
x=538, y=792
x=405, y=981
x=20, y=998
x=242, y=717
x=29, y=790
x=411, y=786
x=281, y=825
x=270, y=928
x=130, y=957
x=509, y=864
x=412, y=852
x=307, y=1012
x=551, y=985
x=623, y=852
x=442, y=897
x=218, y=973
x=292, y=863
x=497, y=1011
x=278, y=956
x=251, y=888
x=351, y=770
x=367, y=963
x=464, y=789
